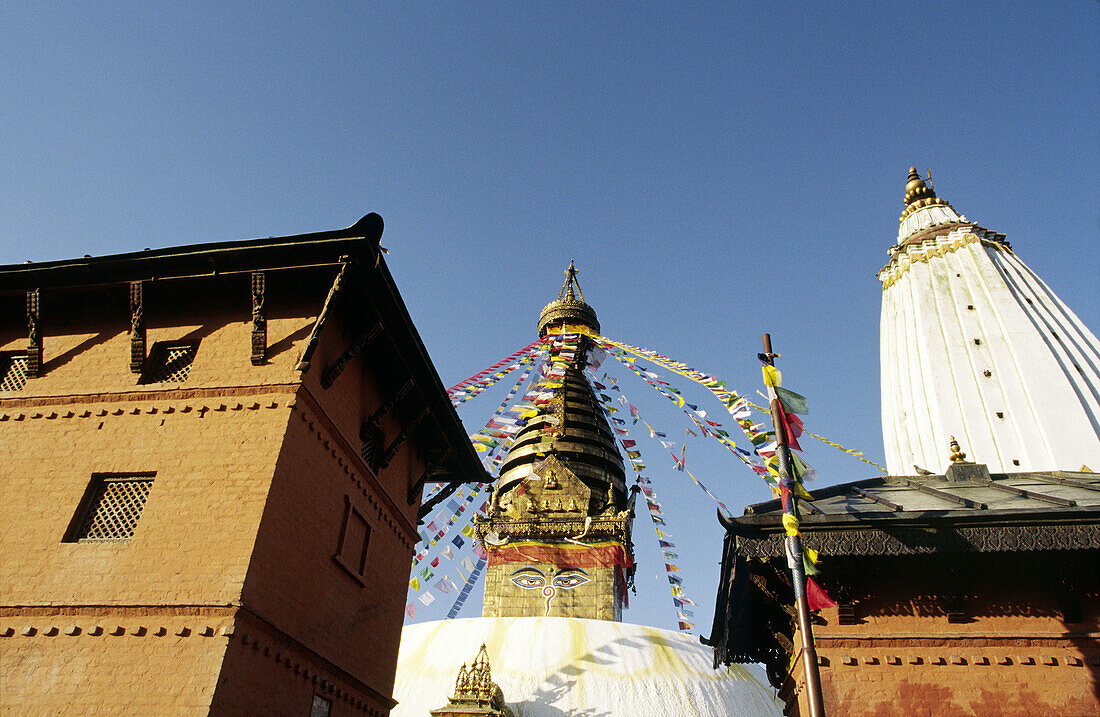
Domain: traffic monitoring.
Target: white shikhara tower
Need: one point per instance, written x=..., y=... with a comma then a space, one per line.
x=975, y=345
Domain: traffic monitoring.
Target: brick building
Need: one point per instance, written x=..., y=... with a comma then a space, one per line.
x=213, y=462
x=958, y=594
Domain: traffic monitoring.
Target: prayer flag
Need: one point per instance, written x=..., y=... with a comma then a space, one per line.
x=448, y=553
x=793, y=402
x=427, y=599
x=410, y=610
x=816, y=597
x=468, y=531
x=458, y=542
x=414, y=584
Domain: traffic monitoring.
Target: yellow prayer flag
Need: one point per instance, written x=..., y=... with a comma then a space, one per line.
x=801, y=491
x=414, y=584
x=468, y=531
x=772, y=376
x=812, y=555
x=790, y=524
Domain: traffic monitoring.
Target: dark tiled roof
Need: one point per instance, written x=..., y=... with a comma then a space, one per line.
x=1042, y=491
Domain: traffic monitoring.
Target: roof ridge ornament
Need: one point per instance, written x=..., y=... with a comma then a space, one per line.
x=957, y=455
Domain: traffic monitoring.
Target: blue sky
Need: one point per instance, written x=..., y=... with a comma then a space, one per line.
x=716, y=171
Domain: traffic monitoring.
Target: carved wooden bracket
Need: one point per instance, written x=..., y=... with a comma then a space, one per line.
x=34, y=335
x=391, y=450
x=332, y=372
x=259, y=320
x=388, y=405
x=137, y=327
x=428, y=470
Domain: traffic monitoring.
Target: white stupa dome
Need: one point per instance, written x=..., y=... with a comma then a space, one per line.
x=556, y=666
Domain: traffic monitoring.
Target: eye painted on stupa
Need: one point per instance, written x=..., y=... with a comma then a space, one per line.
x=570, y=578
x=528, y=578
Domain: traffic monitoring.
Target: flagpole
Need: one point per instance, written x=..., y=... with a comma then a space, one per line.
x=794, y=548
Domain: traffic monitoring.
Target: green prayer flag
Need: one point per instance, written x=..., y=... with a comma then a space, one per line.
x=793, y=402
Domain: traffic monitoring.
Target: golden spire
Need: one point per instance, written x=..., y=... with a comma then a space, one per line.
x=919, y=194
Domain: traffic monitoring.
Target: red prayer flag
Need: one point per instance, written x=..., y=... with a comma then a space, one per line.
x=816, y=597
x=792, y=436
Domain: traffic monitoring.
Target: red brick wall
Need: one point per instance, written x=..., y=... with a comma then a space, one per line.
x=294, y=581
x=251, y=480
x=212, y=444
x=1015, y=654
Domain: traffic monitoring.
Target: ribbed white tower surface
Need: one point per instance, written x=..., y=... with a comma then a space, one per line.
x=975, y=345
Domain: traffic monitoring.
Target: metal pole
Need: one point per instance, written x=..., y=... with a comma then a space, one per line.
x=793, y=545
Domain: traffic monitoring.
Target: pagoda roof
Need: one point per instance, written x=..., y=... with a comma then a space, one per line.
x=841, y=518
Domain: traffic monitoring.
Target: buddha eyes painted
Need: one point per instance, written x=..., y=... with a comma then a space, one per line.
x=569, y=579
x=531, y=578
x=528, y=581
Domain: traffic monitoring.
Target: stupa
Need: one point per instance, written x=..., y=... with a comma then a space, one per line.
x=560, y=561
x=975, y=345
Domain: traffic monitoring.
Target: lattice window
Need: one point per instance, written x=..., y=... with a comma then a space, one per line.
x=13, y=372
x=170, y=363
x=112, y=508
x=321, y=707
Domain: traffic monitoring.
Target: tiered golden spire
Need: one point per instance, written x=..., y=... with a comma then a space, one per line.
x=919, y=194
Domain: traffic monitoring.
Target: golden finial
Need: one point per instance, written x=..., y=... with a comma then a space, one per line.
x=957, y=455
x=570, y=283
x=919, y=194
x=916, y=189
x=570, y=306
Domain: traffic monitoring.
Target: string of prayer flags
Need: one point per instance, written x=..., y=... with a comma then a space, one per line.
x=736, y=405
x=858, y=455
x=656, y=515
x=464, y=390
x=465, y=592
x=699, y=418
x=681, y=466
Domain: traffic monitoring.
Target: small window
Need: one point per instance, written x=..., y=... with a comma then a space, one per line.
x=111, y=508
x=13, y=371
x=321, y=707
x=351, y=553
x=170, y=363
